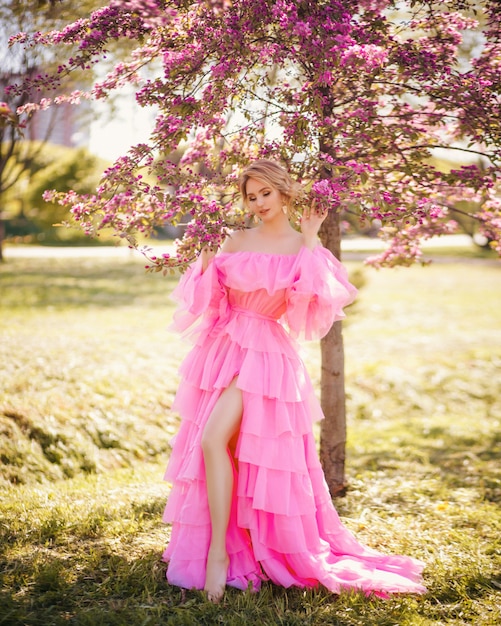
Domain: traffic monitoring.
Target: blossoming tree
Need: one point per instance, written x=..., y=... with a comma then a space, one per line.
x=353, y=96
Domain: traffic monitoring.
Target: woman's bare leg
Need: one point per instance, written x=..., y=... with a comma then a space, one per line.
x=221, y=427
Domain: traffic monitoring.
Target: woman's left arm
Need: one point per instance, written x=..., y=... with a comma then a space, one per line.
x=321, y=287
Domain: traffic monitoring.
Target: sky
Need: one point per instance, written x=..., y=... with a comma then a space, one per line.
x=111, y=134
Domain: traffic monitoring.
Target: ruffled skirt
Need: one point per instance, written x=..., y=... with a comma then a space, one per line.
x=283, y=526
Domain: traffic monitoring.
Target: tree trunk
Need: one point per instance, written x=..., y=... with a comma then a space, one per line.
x=333, y=428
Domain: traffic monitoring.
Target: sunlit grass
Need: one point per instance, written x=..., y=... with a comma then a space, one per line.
x=87, y=362
x=88, y=370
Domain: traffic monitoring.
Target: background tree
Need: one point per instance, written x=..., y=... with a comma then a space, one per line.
x=66, y=169
x=354, y=97
x=19, y=154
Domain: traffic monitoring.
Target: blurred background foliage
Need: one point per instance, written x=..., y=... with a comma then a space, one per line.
x=29, y=218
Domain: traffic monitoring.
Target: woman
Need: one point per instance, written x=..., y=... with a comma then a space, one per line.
x=249, y=500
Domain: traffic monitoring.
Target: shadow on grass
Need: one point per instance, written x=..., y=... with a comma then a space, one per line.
x=463, y=461
x=97, y=588
x=112, y=589
x=102, y=588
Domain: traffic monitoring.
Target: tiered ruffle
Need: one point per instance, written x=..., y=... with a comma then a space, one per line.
x=283, y=525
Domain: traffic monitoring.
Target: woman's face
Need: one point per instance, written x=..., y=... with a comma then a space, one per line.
x=263, y=200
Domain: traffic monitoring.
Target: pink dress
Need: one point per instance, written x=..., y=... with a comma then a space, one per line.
x=244, y=314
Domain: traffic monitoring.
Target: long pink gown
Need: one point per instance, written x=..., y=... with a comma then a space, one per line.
x=244, y=314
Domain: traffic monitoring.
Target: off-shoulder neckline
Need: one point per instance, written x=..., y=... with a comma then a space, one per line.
x=258, y=253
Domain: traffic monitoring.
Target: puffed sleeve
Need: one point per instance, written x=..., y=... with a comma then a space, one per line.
x=320, y=290
x=198, y=294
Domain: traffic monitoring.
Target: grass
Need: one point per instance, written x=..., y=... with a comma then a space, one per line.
x=86, y=357
x=88, y=370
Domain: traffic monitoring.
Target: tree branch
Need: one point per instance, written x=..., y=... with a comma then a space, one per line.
x=448, y=147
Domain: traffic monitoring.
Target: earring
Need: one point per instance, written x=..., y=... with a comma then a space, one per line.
x=255, y=219
x=284, y=209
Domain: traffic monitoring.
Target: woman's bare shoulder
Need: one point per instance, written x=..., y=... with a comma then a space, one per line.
x=297, y=240
x=235, y=241
x=292, y=243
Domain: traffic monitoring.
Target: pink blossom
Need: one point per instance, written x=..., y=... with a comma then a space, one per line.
x=353, y=103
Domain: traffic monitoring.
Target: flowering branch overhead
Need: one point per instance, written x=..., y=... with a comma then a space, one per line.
x=353, y=96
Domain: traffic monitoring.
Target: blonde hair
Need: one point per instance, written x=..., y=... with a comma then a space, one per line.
x=274, y=175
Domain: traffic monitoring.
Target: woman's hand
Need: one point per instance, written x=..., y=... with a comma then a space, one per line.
x=311, y=221
x=207, y=254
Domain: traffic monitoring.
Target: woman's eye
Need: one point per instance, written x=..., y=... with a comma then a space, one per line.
x=266, y=193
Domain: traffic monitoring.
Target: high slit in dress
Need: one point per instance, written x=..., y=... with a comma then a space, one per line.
x=244, y=314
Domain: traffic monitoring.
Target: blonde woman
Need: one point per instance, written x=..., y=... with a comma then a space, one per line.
x=249, y=501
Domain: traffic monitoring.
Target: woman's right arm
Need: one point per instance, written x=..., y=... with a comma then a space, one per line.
x=231, y=243
x=207, y=255
x=199, y=292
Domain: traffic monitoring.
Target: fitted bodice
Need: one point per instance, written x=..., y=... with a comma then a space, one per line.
x=258, y=303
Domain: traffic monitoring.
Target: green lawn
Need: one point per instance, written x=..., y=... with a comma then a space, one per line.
x=88, y=369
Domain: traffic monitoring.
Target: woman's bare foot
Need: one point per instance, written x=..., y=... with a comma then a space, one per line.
x=215, y=576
